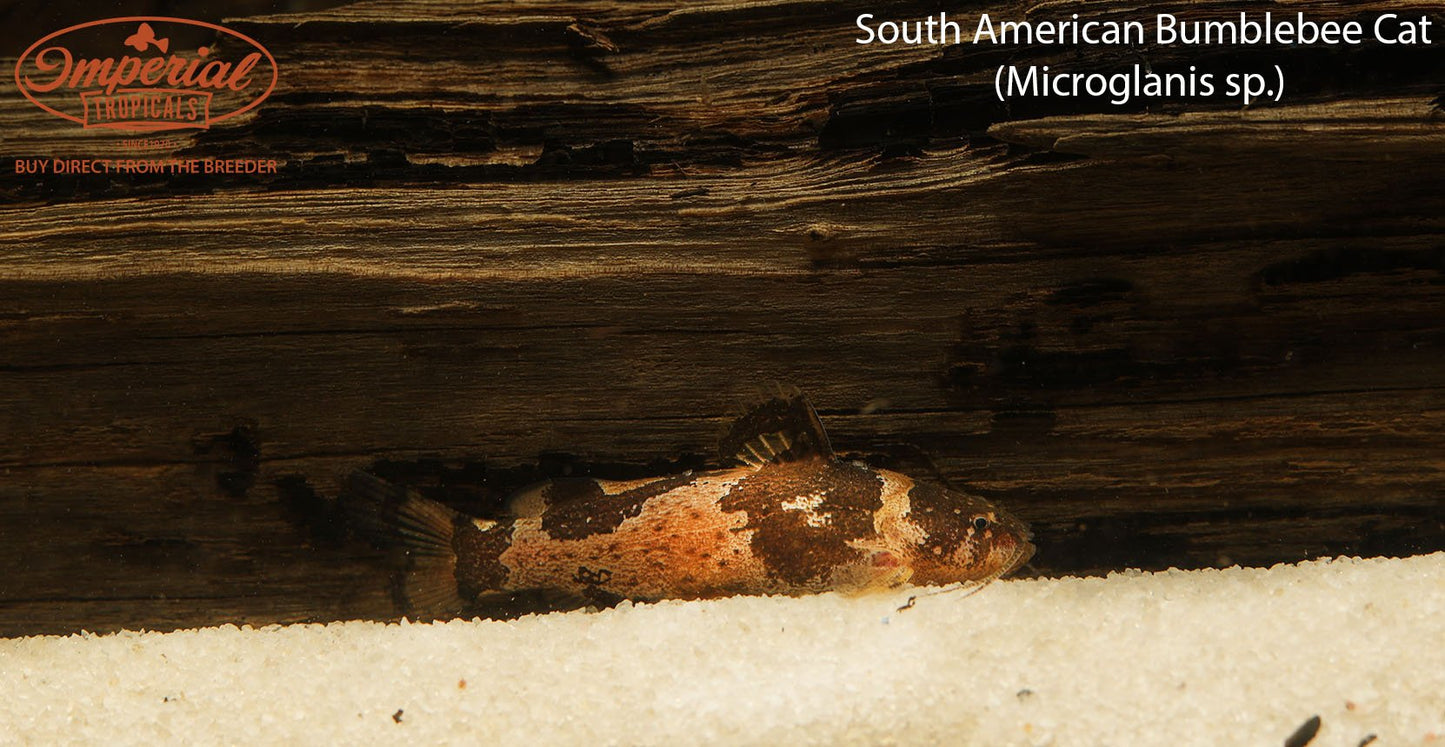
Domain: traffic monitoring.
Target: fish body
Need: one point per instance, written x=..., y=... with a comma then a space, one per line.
x=793, y=520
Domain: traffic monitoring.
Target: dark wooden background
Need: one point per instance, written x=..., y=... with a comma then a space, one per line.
x=510, y=240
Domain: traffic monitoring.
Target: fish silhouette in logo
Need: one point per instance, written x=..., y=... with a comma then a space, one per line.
x=146, y=36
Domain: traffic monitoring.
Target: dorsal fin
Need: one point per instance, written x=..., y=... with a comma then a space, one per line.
x=784, y=428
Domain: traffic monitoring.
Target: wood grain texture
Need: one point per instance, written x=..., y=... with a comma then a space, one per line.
x=512, y=240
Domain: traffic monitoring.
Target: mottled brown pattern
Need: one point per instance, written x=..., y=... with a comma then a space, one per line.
x=681, y=545
x=479, y=552
x=966, y=537
x=579, y=508
x=943, y=517
x=804, y=513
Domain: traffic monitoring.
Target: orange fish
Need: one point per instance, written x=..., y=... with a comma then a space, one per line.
x=146, y=36
x=792, y=519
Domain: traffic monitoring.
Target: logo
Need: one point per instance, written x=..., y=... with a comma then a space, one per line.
x=131, y=77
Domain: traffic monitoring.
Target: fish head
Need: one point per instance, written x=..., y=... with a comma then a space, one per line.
x=955, y=537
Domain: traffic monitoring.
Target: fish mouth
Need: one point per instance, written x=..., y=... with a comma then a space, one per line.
x=1022, y=553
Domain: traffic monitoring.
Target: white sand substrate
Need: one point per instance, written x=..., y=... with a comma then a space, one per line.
x=1231, y=657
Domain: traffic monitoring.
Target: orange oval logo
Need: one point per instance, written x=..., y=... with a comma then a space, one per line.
x=126, y=74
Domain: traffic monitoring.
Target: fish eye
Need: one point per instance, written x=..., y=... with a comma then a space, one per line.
x=980, y=523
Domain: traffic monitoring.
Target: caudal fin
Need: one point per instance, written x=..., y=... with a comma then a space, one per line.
x=392, y=516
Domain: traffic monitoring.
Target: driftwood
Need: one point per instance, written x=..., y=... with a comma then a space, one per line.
x=512, y=240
